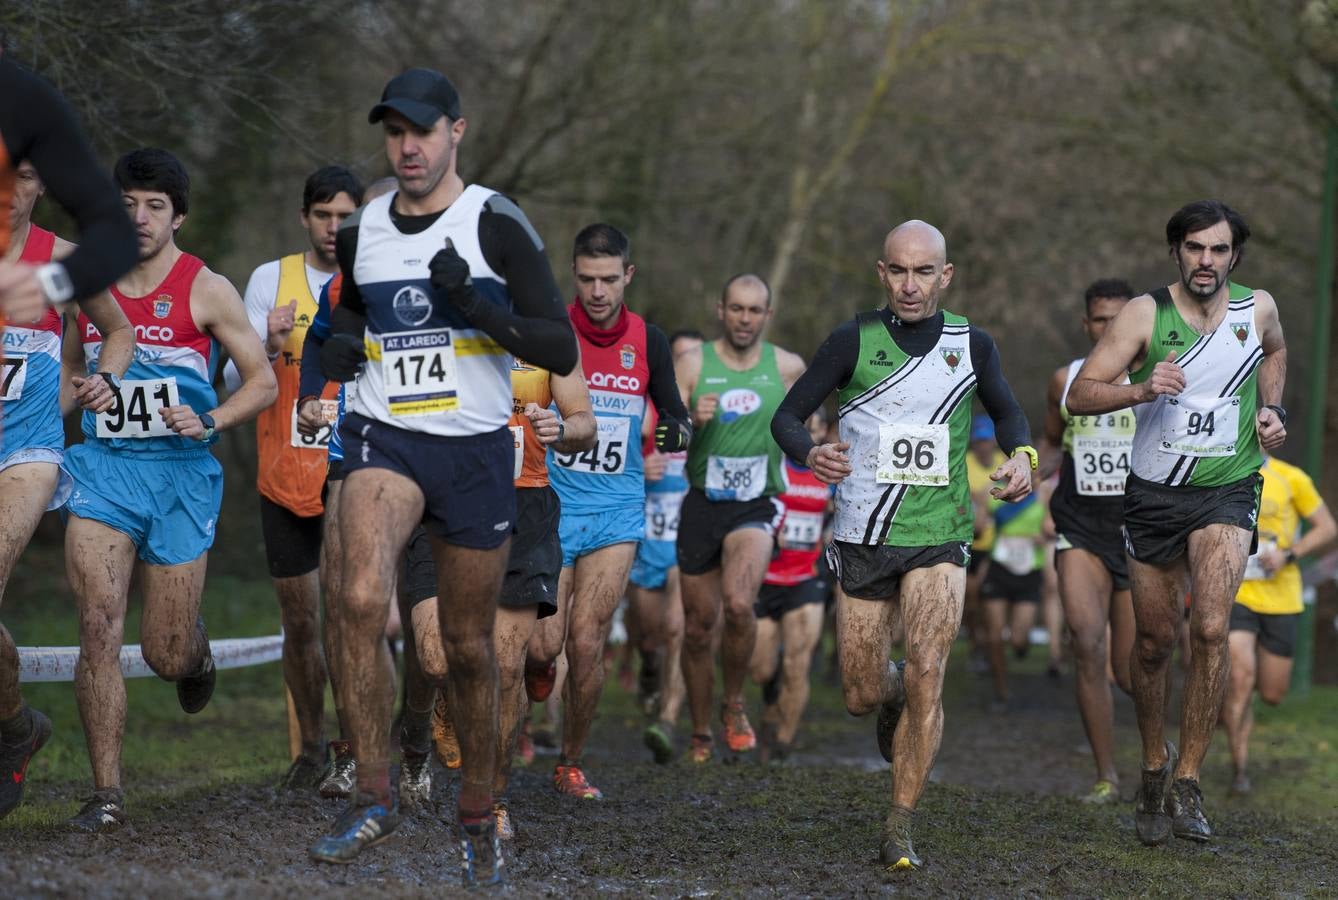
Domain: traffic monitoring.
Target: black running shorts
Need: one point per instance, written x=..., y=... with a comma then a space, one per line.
x=292, y=542
x=1001, y=584
x=1276, y=632
x=1159, y=519
x=775, y=600
x=874, y=573
x=1099, y=536
x=703, y=525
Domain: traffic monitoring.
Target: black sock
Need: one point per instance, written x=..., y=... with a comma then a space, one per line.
x=17, y=728
x=415, y=730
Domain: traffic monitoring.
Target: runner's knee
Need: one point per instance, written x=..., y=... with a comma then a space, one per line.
x=166, y=657
x=861, y=698
x=1209, y=630
x=1272, y=694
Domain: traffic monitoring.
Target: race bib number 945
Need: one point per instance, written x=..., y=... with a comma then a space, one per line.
x=607, y=457
x=419, y=373
x=1201, y=427
x=134, y=412
x=913, y=454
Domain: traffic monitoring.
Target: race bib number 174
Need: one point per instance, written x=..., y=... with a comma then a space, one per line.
x=419, y=374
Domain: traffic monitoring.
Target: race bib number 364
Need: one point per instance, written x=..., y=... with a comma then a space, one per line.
x=1101, y=464
x=419, y=373
x=134, y=413
x=913, y=454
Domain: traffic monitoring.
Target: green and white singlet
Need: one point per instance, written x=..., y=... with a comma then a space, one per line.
x=1099, y=447
x=907, y=420
x=1204, y=436
x=733, y=456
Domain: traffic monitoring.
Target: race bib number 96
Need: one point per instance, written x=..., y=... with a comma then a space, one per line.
x=321, y=439
x=134, y=412
x=735, y=477
x=607, y=457
x=418, y=372
x=1206, y=427
x=13, y=375
x=913, y=454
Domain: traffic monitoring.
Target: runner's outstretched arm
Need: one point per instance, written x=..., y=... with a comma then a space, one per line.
x=1120, y=351
x=1272, y=373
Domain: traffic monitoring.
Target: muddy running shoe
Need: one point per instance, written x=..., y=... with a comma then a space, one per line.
x=415, y=781
x=506, y=829
x=896, y=851
x=102, y=812
x=739, y=737
x=570, y=780
x=481, y=863
x=1102, y=793
x=444, y=740
x=194, y=691
x=700, y=749
x=889, y=714
x=524, y=755
x=648, y=685
x=1184, y=804
x=1240, y=785
x=304, y=774
x=659, y=739
x=363, y=824
x=343, y=772
x=14, y=759
x=1150, y=815
x=539, y=681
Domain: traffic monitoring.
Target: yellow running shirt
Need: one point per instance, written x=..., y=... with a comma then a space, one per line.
x=1289, y=496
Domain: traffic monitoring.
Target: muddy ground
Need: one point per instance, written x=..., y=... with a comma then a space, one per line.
x=999, y=820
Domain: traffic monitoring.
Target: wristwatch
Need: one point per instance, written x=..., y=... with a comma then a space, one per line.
x=112, y=381
x=562, y=429
x=55, y=282
x=1031, y=455
x=208, y=422
x=1282, y=413
x=1290, y=556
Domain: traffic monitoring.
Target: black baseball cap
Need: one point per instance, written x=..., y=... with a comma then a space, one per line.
x=420, y=95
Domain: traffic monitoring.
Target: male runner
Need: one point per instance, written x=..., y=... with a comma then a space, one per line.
x=1091, y=454
x=653, y=586
x=1268, y=605
x=32, y=444
x=1011, y=590
x=905, y=375
x=530, y=590
x=1199, y=356
x=442, y=283
x=281, y=304
x=729, y=518
x=146, y=486
x=791, y=603
x=602, y=489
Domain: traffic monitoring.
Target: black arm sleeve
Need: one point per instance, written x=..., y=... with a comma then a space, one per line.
x=538, y=330
x=1010, y=422
x=38, y=125
x=832, y=367
x=310, y=381
x=346, y=251
x=663, y=389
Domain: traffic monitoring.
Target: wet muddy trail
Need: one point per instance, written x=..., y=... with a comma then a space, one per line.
x=998, y=820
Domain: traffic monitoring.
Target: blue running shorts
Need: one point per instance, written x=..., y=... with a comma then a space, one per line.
x=654, y=559
x=584, y=533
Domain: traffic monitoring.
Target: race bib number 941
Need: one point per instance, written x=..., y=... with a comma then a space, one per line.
x=1201, y=427
x=134, y=412
x=419, y=373
x=662, y=511
x=607, y=457
x=913, y=454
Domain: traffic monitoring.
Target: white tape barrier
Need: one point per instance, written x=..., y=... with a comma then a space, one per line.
x=57, y=663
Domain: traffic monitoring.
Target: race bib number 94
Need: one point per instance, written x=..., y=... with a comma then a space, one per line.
x=321, y=439
x=13, y=375
x=913, y=454
x=735, y=477
x=1205, y=427
x=607, y=457
x=419, y=373
x=134, y=412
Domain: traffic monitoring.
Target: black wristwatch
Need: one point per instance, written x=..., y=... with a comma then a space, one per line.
x=1290, y=556
x=562, y=430
x=208, y=422
x=112, y=381
x=1282, y=413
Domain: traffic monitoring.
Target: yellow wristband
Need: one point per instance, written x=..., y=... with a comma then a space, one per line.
x=1031, y=455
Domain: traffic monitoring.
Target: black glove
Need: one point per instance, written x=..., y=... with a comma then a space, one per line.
x=672, y=436
x=341, y=357
x=450, y=276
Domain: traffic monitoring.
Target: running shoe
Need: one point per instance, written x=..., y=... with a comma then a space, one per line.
x=539, y=681
x=194, y=691
x=361, y=825
x=524, y=755
x=896, y=851
x=14, y=759
x=648, y=684
x=1240, y=785
x=889, y=714
x=1150, y=815
x=701, y=748
x=415, y=781
x=739, y=737
x=304, y=774
x=343, y=772
x=570, y=780
x=1184, y=804
x=506, y=829
x=481, y=863
x=104, y=811
x=659, y=739
x=1102, y=793
x=444, y=740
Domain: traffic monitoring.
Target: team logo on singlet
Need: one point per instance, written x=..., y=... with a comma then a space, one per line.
x=412, y=306
x=953, y=356
x=162, y=307
x=1241, y=330
x=738, y=403
x=627, y=356
x=880, y=359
